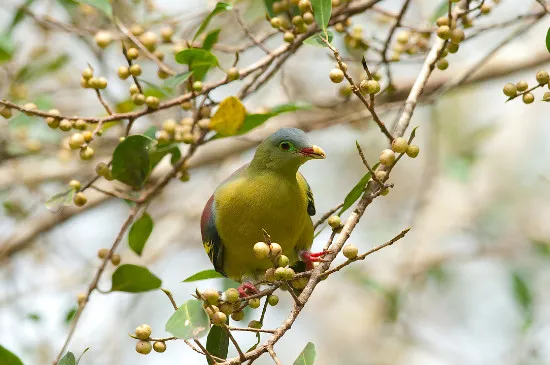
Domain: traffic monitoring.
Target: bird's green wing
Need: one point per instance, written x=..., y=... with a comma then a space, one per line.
x=309, y=194
x=211, y=239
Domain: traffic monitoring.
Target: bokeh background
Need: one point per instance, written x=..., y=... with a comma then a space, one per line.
x=468, y=285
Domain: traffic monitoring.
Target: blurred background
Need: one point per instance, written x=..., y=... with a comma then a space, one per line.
x=468, y=284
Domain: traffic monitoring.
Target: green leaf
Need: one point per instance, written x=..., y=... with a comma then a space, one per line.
x=441, y=10
x=134, y=279
x=68, y=359
x=150, y=132
x=131, y=160
x=8, y=358
x=220, y=8
x=70, y=315
x=158, y=90
x=34, y=317
x=321, y=12
x=139, y=233
x=203, y=275
x=317, y=39
x=189, y=321
x=199, y=61
x=176, y=80
x=252, y=121
x=269, y=7
x=37, y=70
x=217, y=342
x=307, y=356
x=65, y=198
x=548, y=40
x=257, y=342
x=19, y=15
x=103, y=5
x=82, y=354
x=356, y=192
x=6, y=48
x=523, y=296
x=159, y=151
x=211, y=39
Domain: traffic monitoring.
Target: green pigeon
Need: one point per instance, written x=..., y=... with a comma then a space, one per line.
x=266, y=194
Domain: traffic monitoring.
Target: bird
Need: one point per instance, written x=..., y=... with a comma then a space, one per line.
x=269, y=195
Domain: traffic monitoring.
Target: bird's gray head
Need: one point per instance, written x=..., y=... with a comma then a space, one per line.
x=285, y=150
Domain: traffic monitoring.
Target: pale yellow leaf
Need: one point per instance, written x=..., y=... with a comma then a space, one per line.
x=229, y=117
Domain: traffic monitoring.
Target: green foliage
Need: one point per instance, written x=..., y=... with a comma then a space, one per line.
x=59, y=200
x=160, y=150
x=189, y=321
x=269, y=7
x=68, y=359
x=203, y=275
x=321, y=11
x=220, y=8
x=70, y=315
x=211, y=39
x=6, y=48
x=548, y=40
x=35, y=317
x=131, y=164
x=163, y=91
x=18, y=16
x=134, y=279
x=8, y=358
x=139, y=233
x=317, y=39
x=523, y=296
x=199, y=61
x=217, y=342
x=441, y=10
x=356, y=192
x=40, y=68
x=103, y=5
x=307, y=356
x=176, y=80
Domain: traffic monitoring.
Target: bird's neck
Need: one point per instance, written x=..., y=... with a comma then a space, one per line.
x=262, y=163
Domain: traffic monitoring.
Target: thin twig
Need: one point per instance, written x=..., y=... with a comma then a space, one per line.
x=326, y=216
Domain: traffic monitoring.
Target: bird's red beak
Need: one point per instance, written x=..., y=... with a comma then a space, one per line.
x=313, y=152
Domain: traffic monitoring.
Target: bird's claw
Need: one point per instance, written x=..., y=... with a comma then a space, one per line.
x=246, y=289
x=310, y=257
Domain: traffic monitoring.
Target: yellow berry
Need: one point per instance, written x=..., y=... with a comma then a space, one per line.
x=132, y=53
x=350, y=251
x=510, y=90
x=232, y=295
x=152, y=102
x=522, y=85
x=75, y=184
x=80, y=199
x=159, y=346
x=254, y=303
x=197, y=86
x=103, y=38
x=115, y=259
x=334, y=221
x=542, y=77
x=387, y=157
x=399, y=145
x=102, y=253
x=413, y=150
x=211, y=296
x=237, y=316
x=444, y=32
x=123, y=72
x=149, y=40
x=282, y=261
x=135, y=69
x=336, y=75
x=273, y=300
x=261, y=250
x=144, y=347
x=219, y=318
x=276, y=249
x=289, y=37
x=528, y=98
x=86, y=153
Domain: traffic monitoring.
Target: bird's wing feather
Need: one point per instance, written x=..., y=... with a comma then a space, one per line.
x=211, y=240
x=310, y=202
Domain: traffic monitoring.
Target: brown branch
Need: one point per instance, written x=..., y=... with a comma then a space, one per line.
x=105, y=105
x=274, y=355
x=326, y=216
x=248, y=34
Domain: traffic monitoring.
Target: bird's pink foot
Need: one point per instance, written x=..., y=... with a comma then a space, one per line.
x=310, y=257
x=246, y=289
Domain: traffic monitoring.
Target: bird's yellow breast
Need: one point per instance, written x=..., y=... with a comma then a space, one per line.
x=245, y=206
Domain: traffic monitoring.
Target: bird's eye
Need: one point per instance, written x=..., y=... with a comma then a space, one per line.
x=285, y=146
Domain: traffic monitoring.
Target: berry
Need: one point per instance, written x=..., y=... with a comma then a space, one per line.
x=135, y=70
x=102, y=83
x=276, y=22
x=132, y=53
x=103, y=38
x=452, y=48
x=522, y=85
x=169, y=125
x=144, y=347
x=186, y=105
x=485, y=9
x=81, y=298
x=288, y=37
x=276, y=249
x=546, y=96
x=80, y=199
x=309, y=18
x=211, y=296
x=282, y=261
x=86, y=153
x=254, y=303
x=542, y=77
x=143, y=331
x=123, y=72
x=403, y=37
x=334, y=221
x=6, y=112
x=299, y=283
x=102, y=253
x=115, y=259
x=166, y=33
x=88, y=136
x=255, y=324
x=233, y=74
x=381, y=175
x=270, y=275
x=211, y=310
x=304, y=5
x=261, y=250
x=442, y=64
x=350, y=251
x=76, y=141
x=75, y=184
x=219, y=318
x=528, y=98
x=442, y=21
x=232, y=295
x=297, y=20
x=152, y=102
x=510, y=90
x=65, y=125
x=273, y=300
x=457, y=36
x=387, y=157
x=134, y=89
x=369, y=86
x=138, y=99
x=237, y=316
x=149, y=40
x=289, y=273
x=336, y=75
x=159, y=346
x=79, y=124
x=399, y=145
x=197, y=86
x=444, y=32
x=87, y=73
x=413, y=150
x=137, y=30
x=280, y=273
